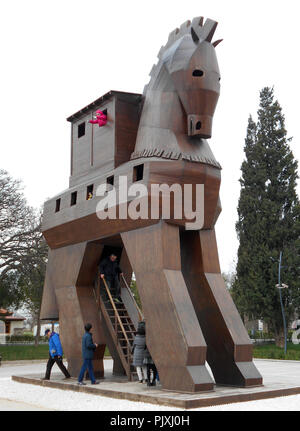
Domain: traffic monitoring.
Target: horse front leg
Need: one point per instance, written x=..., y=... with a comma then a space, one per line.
x=229, y=348
x=173, y=333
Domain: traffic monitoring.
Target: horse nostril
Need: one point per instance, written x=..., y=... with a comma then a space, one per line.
x=198, y=125
x=198, y=72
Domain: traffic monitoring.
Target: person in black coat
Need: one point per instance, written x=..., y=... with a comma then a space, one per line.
x=110, y=269
x=88, y=348
x=138, y=351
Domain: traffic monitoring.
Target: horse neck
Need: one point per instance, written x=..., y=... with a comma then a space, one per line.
x=162, y=107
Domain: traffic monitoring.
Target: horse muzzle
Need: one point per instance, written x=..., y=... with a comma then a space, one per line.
x=200, y=125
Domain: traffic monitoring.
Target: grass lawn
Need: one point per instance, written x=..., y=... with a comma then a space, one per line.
x=18, y=353
x=265, y=351
x=270, y=351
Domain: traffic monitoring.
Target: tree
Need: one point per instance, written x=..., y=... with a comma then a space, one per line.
x=229, y=278
x=135, y=292
x=31, y=278
x=23, y=251
x=18, y=224
x=268, y=220
x=10, y=294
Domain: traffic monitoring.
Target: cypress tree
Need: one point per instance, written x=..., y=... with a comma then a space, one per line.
x=268, y=221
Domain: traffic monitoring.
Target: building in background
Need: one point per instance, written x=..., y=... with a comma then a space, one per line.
x=11, y=323
x=53, y=326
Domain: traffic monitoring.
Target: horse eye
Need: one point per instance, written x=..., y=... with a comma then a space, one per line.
x=198, y=72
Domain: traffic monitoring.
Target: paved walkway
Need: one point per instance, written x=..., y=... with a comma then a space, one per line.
x=9, y=405
x=280, y=378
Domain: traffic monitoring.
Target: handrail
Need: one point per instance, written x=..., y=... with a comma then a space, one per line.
x=97, y=292
x=133, y=298
x=118, y=317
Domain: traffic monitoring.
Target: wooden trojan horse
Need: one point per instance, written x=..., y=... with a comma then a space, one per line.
x=156, y=138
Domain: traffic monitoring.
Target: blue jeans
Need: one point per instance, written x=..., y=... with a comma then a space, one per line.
x=87, y=364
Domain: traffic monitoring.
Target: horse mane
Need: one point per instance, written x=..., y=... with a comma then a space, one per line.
x=199, y=32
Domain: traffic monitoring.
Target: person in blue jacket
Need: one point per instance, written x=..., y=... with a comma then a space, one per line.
x=88, y=348
x=55, y=355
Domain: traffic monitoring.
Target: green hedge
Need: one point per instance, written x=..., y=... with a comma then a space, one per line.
x=260, y=335
x=20, y=338
x=271, y=351
x=19, y=353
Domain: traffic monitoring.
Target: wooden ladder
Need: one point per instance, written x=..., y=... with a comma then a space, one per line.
x=120, y=326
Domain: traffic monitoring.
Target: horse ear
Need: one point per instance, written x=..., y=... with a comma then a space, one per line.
x=196, y=23
x=202, y=32
x=217, y=42
x=209, y=29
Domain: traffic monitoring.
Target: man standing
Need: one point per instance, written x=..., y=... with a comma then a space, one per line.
x=55, y=355
x=88, y=348
x=110, y=269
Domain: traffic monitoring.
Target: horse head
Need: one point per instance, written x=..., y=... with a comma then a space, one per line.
x=191, y=61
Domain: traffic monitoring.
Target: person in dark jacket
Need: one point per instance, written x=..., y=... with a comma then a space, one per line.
x=55, y=355
x=88, y=348
x=110, y=270
x=138, y=350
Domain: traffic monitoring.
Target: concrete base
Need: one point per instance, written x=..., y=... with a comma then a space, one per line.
x=281, y=378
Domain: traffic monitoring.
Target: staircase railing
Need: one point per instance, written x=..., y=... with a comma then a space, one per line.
x=141, y=316
x=117, y=317
x=118, y=321
x=115, y=321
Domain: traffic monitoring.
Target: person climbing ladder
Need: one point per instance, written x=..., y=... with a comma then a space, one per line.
x=110, y=270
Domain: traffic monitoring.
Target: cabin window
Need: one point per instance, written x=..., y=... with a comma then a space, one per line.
x=198, y=72
x=138, y=172
x=198, y=125
x=73, y=198
x=81, y=130
x=110, y=180
x=57, y=205
x=89, y=192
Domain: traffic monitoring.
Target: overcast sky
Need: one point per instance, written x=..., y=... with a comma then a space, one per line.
x=58, y=56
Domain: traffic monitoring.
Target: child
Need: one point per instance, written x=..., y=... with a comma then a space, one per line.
x=151, y=368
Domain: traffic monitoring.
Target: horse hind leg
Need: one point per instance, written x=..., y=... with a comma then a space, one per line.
x=70, y=275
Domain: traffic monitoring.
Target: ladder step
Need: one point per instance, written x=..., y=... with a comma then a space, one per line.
x=118, y=309
x=127, y=332
x=119, y=327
